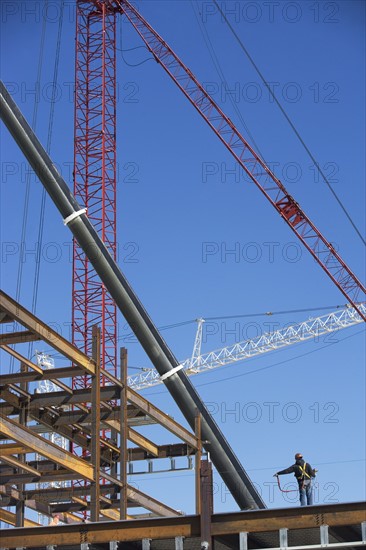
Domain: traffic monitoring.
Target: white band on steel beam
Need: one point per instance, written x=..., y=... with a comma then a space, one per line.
x=74, y=215
x=171, y=372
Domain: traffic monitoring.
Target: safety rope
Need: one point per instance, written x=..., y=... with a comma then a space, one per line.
x=285, y=490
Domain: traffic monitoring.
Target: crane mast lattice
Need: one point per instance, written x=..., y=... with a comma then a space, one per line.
x=95, y=173
x=95, y=165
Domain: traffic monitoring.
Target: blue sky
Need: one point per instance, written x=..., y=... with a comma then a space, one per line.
x=183, y=208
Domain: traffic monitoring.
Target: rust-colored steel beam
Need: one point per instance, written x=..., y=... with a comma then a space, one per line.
x=198, y=463
x=37, y=374
x=52, y=472
x=206, y=503
x=123, y=431
x=14, y=479
x=38, y=444
x=107, y=393
x=95, y=426
x=44, y=332
x=144, y=500
x=135, y=496
x=20, y=337
x=11, y=492
x=10, y=519
x=136, y=438
x=107, y=450
x=111, y=513
x=22, y=359
x=4, y=318
x=48, y=374
x=12, y=461
x=7, y=449
x=134, y=415
x=56, y=399
x=257, y=521
x=66, y=493
x=45, y=477
x=143, y=442
x=162, y=418
x=11, y=399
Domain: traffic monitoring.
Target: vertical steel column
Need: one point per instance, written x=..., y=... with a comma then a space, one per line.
x=95, y=427
x=23, y=415
x=95, y=174
x=123, y=435
x=206, y=504
x=198, y=462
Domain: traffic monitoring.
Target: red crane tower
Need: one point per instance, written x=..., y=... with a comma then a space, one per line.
x=95, y=172
x=95, y=165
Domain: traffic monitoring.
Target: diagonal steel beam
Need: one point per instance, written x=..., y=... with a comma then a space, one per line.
x=146, y=501
x=22, y=359
x=44, y=332
x=14, y=431
x=162, y=418
x=10, y=519
x=180, y=387
x=12, y=461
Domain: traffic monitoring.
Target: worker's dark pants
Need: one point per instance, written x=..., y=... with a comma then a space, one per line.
x=306, y=494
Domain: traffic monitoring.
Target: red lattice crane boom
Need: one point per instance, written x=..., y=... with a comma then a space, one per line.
x=95, y=165
x=321, y=249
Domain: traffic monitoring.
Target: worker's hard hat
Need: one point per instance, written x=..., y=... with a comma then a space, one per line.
x=298, y=455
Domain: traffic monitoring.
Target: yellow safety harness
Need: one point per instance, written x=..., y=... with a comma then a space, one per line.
x=303, y=475
x=303, y=472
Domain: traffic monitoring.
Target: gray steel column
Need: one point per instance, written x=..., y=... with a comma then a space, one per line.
x=180, y=387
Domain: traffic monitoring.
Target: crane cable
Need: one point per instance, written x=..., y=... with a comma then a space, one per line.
x=48, y=148
x=27, y=187
x=131, y=336
x=220, y=72
x=271, y=92
x=122, y=50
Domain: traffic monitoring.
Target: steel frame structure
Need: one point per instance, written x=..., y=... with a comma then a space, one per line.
x=175, y=379
x=34, y=470
x=15, y=397
x=95, y=173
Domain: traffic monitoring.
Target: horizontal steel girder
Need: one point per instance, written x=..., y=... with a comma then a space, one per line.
x=43, y=332
x=189, y=526
x=14, y=431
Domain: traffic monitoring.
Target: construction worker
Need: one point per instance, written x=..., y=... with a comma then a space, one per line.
x=304, y=475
